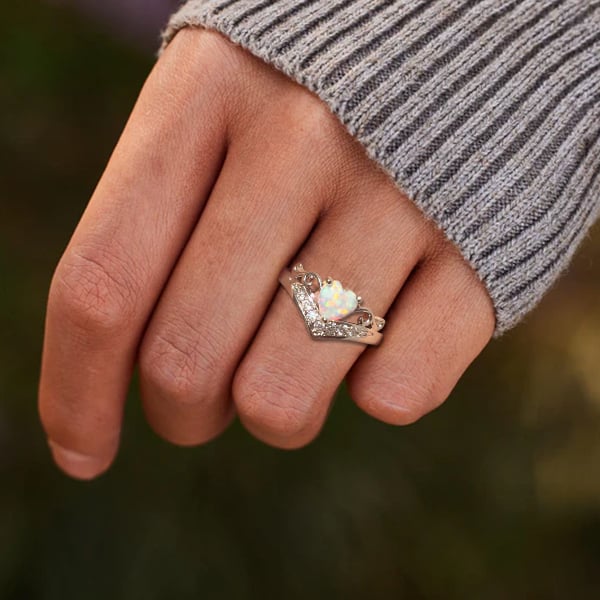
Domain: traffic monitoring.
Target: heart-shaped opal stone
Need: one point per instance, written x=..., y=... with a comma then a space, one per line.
x=335, y=302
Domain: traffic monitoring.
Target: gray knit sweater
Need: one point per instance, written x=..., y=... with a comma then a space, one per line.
x=486, y=113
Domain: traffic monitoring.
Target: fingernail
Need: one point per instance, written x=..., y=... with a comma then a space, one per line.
x=77, y=465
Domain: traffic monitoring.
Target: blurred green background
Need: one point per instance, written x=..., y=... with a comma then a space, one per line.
x=496, y=495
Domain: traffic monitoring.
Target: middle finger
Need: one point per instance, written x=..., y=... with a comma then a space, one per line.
x=285, y=384
x=262, y=208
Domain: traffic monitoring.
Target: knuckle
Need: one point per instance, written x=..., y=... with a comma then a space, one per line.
x=440, y=250
x=94, y=288
x=398, y=398
x=331, y=154
x=268, y=401
x=192, y=46
x=227, y=67
x=314, y=123
x=180, y=364
x=204, y=62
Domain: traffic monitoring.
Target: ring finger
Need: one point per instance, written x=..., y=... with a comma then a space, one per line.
x=285, y=384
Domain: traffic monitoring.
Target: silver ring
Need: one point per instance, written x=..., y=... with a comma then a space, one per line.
x=330, y=311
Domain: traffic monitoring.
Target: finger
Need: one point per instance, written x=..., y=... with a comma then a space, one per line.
x=441, y=321
x=122, y=251
x=261, y=210
x=285, y=384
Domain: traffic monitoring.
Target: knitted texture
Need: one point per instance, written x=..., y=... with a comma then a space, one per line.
x=486, y=113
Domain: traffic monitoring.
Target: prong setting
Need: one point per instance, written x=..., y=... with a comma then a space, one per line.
x=357, y=324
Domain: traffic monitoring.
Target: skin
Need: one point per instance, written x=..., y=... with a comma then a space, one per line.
x=226, y=173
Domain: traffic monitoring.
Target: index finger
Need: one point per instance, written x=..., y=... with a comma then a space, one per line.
x=123, y=250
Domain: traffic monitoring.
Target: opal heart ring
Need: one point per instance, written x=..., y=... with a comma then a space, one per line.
x=329, y=310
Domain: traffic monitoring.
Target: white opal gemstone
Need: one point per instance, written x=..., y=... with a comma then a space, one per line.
x=336, y=303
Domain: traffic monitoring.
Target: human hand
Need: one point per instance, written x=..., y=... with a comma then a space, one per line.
x=226, y=173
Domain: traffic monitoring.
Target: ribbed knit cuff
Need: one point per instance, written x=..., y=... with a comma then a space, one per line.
x=486, y=113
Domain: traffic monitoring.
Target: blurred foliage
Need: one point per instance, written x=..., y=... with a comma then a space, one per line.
x=496, y=495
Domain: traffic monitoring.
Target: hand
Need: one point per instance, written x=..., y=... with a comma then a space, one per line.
x=226, y=173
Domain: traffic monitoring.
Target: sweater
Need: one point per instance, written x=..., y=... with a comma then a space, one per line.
x=485, y=113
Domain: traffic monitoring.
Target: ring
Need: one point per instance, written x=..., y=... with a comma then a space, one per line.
x=329, y=310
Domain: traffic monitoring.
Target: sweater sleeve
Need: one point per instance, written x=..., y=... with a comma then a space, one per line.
x=486, y=113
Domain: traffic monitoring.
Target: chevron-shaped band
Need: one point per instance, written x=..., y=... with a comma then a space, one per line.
x=364, y=331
